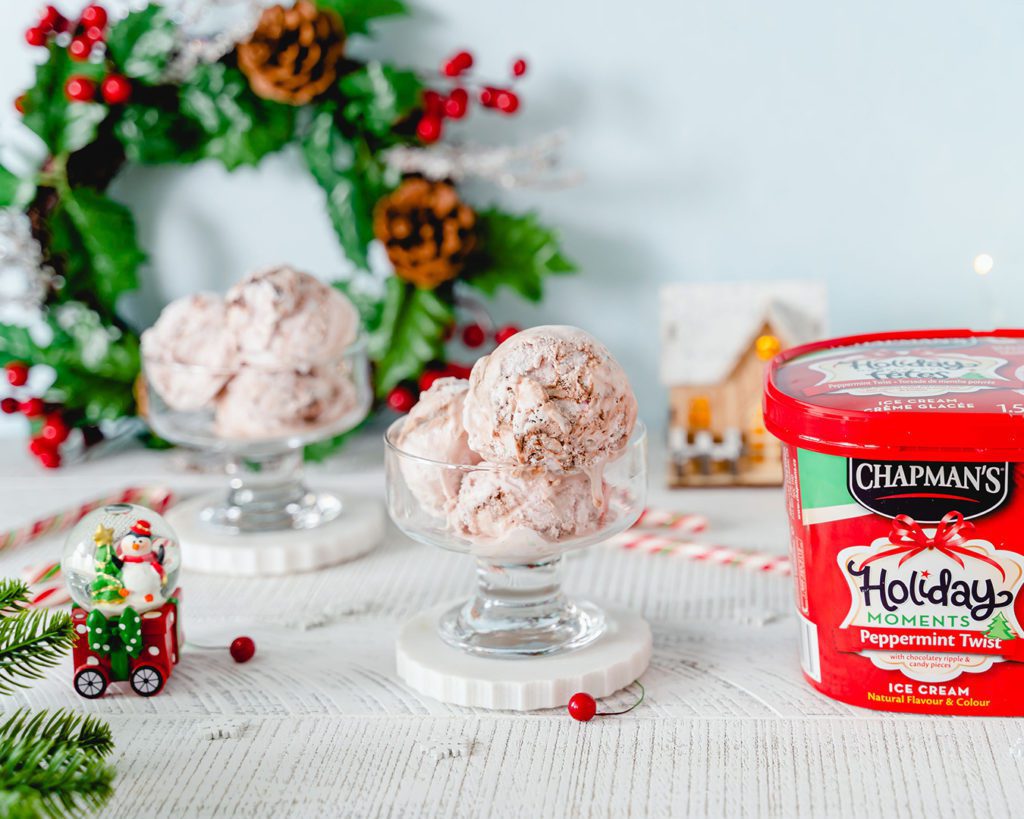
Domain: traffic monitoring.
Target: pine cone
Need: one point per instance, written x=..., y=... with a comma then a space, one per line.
x=427, y=231
x=292, y=56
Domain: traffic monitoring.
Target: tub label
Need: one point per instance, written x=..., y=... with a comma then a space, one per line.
x=926, y=490
x=916, y=373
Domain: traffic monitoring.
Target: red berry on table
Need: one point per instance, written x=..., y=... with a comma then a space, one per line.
x=429, y=129
x=49, y=459
x=506, y=102
x=35, y=36
x=242, y=649
x=9, y=405
x=487, y=95
x=401, y=399
x=582, y=707
x=519, y=67
x=54, y=429
x=116, y=89
x=93, y=16
x=79, y=89
x=505, y=333
x=17, y=374
x=80, y=48
x=473, y=335
x=32, y=408
x=457, y=103
x=457, y=64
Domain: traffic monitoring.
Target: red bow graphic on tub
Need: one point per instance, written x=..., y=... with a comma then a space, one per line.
x=910, y=540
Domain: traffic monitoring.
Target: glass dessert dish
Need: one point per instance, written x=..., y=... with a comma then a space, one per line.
x=518, y=522
x=261, y=418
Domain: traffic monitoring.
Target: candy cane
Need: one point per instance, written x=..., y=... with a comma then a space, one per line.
x=157, y=498
x=664, y=519
x=725, y=555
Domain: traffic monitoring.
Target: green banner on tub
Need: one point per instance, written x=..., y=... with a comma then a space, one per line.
x=822, y=480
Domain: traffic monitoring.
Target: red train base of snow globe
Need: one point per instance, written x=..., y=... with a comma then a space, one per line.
x=121, y=563
x=159, y=649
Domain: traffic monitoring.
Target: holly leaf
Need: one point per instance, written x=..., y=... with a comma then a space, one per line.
x=17, y=344
x=14, y=191
x=104, y=231
x=143, y=43
x=356, y=15
x=239, y=128
x=152, y=135
x=377, y=96
x=64, y=126
x=411, y=333
x=352, y=180
x=514, y=251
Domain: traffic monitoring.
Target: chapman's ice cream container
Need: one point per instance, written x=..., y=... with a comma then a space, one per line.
x=904, y=463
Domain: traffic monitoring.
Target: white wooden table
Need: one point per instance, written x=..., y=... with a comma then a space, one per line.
x=319, y=725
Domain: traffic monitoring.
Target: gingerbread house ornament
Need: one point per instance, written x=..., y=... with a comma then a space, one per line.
x=715, y=342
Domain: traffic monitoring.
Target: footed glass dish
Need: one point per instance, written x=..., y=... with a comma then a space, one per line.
x=518, y=522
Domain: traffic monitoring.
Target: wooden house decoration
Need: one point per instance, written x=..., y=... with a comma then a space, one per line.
x=715, y=342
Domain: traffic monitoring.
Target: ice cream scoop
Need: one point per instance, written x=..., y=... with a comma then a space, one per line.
x=515, y=511
x=285, y=318
x=550, y=396
x=190, y=353
x=433, y=430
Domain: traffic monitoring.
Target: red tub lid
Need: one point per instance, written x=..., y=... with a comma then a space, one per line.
x=928, y=394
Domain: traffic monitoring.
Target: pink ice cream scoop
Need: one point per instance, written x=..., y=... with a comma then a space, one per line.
x=433, y=429
x=517, y=511
x=260, y=404
x=190, y=353
x=286, y=318
x=549, y=396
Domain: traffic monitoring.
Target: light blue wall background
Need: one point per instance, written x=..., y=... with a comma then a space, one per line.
x=874, y=144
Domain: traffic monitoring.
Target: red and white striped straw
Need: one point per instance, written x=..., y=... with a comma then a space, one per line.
x=664, y=519
x=711, y=553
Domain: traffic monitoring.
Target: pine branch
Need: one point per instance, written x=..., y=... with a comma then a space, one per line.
x=87, y=733
x=30, y=643
x=44, y=777
x=13, y=597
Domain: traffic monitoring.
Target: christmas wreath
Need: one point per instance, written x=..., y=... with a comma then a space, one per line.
x=147, y=89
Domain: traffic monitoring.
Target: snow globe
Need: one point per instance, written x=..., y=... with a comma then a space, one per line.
x=122, y=562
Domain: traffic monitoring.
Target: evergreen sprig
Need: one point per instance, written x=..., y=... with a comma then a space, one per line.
x=13, y=597
x=62, y=726
x=31, y=642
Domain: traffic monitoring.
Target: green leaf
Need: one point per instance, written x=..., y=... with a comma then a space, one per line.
x=352, y=179
x=143, y=43
x=152, y=135
x=377, y=96
x=13, y=597
x=515, y=252
x=64, y=126
x=357, y=14
x=14, y=192
x=239, y=127
x=411, y=333
x=106, y=231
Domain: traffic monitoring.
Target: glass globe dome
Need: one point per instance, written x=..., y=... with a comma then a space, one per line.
x=121, y=556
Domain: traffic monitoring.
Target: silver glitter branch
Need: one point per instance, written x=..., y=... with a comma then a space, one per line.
x=207, y=30
x=534, y=164
x=24, y=279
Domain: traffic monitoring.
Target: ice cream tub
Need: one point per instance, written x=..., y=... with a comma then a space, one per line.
x=904, y=471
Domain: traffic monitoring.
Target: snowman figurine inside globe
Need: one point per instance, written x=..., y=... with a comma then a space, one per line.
x=121, y=563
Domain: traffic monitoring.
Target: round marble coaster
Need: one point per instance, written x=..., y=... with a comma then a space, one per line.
x=432, y=667
x=356, y=531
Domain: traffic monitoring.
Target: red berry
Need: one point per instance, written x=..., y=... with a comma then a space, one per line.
x=17, y=374
x=433, y=104
x=116, y=89
x=19, y=103
x=506, y=102
x=401, y=399
x=242, y=649
x=93, y=16
x=32, y=408
x=35, y=36
x=457, y=371
x=487, y=94
x=54, y=429
x=79, y=89
x=582, y=707
x=93, y=34
x=50, y=19
x=429, y=129
x=519, y=67
x=49, y=459
x=457, y=103
x=39, y=446
x=505, y=333
x=80, y=48
x=473, y=335
x=458, y=63
x=9, y=405
x=429, y=377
